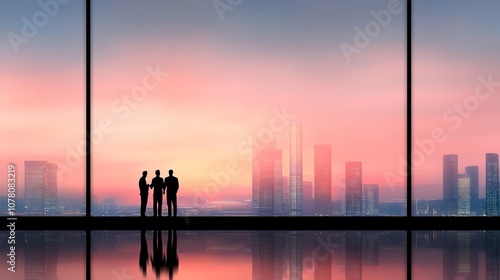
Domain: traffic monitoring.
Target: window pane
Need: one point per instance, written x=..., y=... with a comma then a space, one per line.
x=42, y=84
x=259, y=108
x=455, y=78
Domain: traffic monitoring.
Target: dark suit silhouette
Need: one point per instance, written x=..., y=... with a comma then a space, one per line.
x=172, y=258
x=143, y=255
x=159, y=188
x=144, y=192
x=172, y=185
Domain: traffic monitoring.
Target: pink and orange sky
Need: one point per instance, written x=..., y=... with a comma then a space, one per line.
x=224, y=80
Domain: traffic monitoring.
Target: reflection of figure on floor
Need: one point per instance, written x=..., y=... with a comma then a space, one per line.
x=143, y=255
x=158, y=257
x=172, y=258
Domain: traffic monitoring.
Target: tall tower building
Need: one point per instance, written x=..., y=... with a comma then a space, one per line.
x=353, y=184
x=322, y=180
x=492, y=184
x=267, y=196
x=343, y=197
x=472, y=172
x=450, y=184
x=50, y=191
x=296, y=170
x=40, y=188
x=370, y=200
x=286, y=195
x=463, y=195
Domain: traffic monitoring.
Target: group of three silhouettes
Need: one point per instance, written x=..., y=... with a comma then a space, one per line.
x=171, y=184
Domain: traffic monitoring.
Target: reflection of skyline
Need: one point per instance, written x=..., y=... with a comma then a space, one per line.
x=50, y=254
x=467, y=255
x=266, y=254
x=461, y=190
x=41, y=258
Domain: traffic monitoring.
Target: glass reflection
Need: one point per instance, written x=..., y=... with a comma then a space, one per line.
x=461, y=255
x=265, y=255
x=43, y=255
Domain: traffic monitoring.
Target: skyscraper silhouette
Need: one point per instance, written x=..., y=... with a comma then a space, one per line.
x=322, y=180
x=353, y=183
x=267, y=186
x=370, y=200
x=40, y=191
x=450, y=184
x=270, y=196
x=492, y=184
x=463, y=195
x=472, y=172
x=296, y=170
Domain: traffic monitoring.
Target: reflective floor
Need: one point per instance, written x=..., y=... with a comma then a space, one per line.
x=211, y=255
x=44, y=255
x=455, y=255
x=127, y=255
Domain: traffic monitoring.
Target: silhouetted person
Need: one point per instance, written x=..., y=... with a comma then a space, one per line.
x=172, y=258
x=159, y=189
x=172, y=185
x=158, y=258
x=144, y=192
x=143, y=255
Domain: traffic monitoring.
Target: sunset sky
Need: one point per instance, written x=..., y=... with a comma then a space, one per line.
x=226, y=78
x=454, y=43
x=42, y=89
x=226, y=81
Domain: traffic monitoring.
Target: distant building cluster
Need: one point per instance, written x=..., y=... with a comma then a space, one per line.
x=40, y=192
x=461, y=191
x=274, y=195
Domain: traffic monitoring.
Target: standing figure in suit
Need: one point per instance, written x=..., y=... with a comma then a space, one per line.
x=144, y=192
x=172, y=184
x=159, y=190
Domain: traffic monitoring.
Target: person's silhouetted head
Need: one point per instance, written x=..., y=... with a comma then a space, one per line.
x=157, y=172
x=170, y=172
x=144, y=173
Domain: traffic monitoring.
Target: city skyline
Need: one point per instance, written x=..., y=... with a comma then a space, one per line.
x=291, y=73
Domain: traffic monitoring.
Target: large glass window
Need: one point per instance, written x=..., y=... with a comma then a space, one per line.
x=258, y=107
x=455, y=105
x=42, y=84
